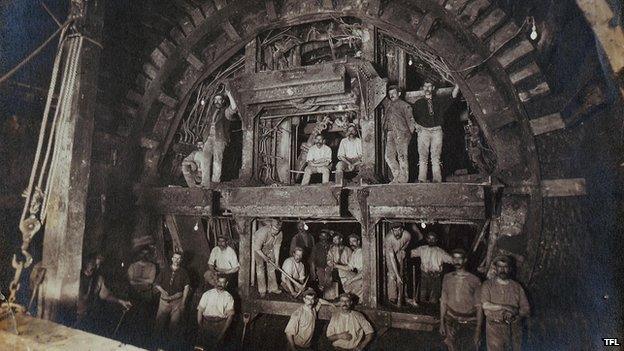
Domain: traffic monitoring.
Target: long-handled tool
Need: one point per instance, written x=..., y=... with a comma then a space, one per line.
x=293, y=280
x=123, y=315
x=37, y=276
x=246, y=319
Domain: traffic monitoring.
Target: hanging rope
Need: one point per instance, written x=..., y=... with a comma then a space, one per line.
x=46, y=155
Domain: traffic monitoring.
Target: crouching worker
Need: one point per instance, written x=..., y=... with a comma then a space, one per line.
x=300, y=327
x=215, y=313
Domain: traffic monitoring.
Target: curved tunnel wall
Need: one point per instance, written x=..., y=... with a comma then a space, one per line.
x=565, y=239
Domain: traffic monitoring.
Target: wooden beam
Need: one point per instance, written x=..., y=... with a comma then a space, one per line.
x=546, y=124
x=563, y=187
x=64, y=230
x=178, y=200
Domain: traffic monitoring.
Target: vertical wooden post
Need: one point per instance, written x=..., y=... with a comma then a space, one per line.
x=64, y=230
x=368, y=122
x=370, y=273
x=243, y=225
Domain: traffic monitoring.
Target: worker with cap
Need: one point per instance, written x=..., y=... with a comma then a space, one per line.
x=266, y=243
x=338, y=254
x=504, y=304
x=319, y=269
x=394, y=245
x=398, y=124
x=432, y=260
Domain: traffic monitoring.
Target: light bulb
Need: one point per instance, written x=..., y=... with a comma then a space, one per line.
x=202, y=102
x=196, y=227
x=423, y=225
x=410, y=62
x=533, y=35
x=305, y=226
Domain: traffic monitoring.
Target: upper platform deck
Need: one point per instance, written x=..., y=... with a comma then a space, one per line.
x=431, y=201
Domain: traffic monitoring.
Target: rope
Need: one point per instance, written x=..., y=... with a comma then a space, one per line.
x=14, y=70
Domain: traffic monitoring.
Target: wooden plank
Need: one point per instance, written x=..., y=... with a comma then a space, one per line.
x=244, y=228
x=270, y=10
x=425, y=26
x=178, y=200
x=472, y=11
x=502, y=36
x=563, y=187
x=514, y=53
x=230, y=31
x=547, y=123
x=487, y=25
x=468, y=213
x=455, y=6
x=426, y=194
x=538, y=90
x=168, y=100
x=65, y=224
x=195, y=61
x=158, y=57
x=524, y=73
x=39, y=334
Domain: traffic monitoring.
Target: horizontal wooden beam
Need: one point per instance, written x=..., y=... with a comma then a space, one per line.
x=178, y=200
x=379, y=317
x=564, y=187
x=546, y=124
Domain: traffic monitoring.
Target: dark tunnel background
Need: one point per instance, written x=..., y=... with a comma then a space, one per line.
x=579, y=268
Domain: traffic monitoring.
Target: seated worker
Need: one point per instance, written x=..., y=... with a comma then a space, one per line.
x=349, y=329
x=293, y=266
x=215, y=313
x=300, y=327
x=349, y=153
x=318, y=159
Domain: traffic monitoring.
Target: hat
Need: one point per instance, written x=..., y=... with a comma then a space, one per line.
x=394, y=87
x=502, y=258
x=354, y=236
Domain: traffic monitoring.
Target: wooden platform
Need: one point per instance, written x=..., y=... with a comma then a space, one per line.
x=38, y=334
x=431, y=201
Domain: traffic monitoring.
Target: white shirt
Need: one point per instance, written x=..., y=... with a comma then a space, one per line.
x=294, y=269
x=353, y=323
x=223, y=259
x=216, y=303
x=431, y=258
x=356, y=260
x=316, y=153
x=350, y=148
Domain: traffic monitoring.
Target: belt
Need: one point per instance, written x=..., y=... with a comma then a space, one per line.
x=432, y=273
x=462, y=318
x=213, y=319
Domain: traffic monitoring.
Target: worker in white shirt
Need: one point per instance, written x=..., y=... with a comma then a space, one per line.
x=349, y=153
x=215, y=313
x=222, y=261
x=293, y=266
x=318, y=159
x=432, y=259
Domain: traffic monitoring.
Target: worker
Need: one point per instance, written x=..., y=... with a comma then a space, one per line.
x=302, y=239
x=352, y=280
x=173, y=284
x=318, y=159
x=193, y=166
x=266, y=243
x=432, y=260
x=93, y=289
x=394, y=246
x=505, y=305
x=398, y=124
x=338, y=254
x=215, y=313
x=216, y=135
x=349, y=329
x=300, y=327
x=349, y=153
x=294, y=268
x=461, y=316
x=222, y=261
x=319, y=269
x=430, y=112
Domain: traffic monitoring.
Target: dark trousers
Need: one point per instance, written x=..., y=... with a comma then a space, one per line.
x=208, y=332
x=430, y=287
x=503, y=336
x=459, y=334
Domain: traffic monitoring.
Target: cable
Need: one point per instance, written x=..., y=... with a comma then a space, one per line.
x=14, y=70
